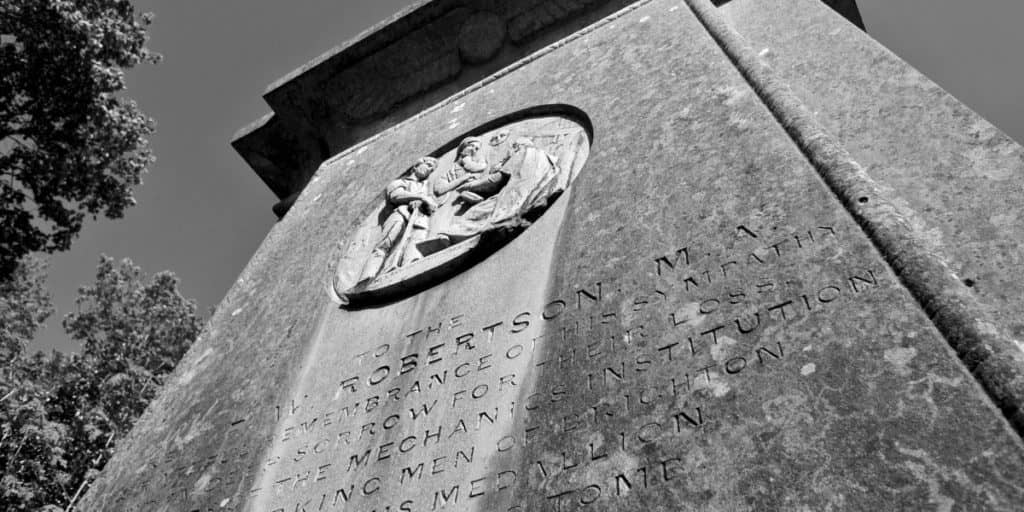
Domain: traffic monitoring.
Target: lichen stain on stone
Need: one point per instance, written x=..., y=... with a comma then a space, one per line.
x=731, y=95
x=790, y=415
x=900, y=357
x=201, y=483
x=984, y=165
x=932, y=474
x=986, y=328
x=196, y=427
x=1004, y=220
x=925, y=398
x=723, y=349
x=982, y=130
x=623, y=462
x=908, y=79
x=194, y=368
x=717, y=385
x=1019, y=344
x=620, y=461
x=689, y=314
x=739, y=123
x=931, y=236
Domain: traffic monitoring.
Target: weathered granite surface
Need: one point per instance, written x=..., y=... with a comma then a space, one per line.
x=948, y=163
x=959, y=173
x=697, y=324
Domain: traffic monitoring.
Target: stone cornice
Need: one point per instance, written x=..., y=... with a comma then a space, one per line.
x=406, y=63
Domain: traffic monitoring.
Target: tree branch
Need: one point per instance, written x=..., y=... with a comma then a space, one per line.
x=8, y=395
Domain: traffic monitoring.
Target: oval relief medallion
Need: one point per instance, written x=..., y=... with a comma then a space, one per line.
x=450, y=209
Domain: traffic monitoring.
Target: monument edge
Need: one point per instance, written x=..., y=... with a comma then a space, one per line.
x=991, y=355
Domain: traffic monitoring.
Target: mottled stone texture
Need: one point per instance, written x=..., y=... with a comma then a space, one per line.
x=954, y=175
x=959, y=173
x=697, y=324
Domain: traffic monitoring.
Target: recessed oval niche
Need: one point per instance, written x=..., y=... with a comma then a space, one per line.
x=461, y=203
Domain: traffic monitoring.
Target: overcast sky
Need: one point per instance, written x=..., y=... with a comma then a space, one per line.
x=202, y=212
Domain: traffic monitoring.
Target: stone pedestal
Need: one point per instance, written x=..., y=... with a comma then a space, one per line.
x=769, y=286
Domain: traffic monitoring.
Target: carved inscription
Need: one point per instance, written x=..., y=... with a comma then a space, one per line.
x=588, y=396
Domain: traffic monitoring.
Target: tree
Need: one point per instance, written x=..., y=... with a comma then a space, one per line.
x=62, y=416
x=70, y=146
x=24, y=307
x=132, y=333
x=33, y=446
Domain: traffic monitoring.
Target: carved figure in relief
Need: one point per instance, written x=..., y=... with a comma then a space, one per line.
x=468, y=182
x=433, y=224
x=528, y=178
x=411, y=202
x=485, y=181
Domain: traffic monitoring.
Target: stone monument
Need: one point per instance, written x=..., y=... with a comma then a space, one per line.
x=608, y=255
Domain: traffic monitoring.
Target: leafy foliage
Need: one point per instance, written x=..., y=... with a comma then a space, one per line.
x=132, y=334
x=24, y=306
x=33, y=446
x=70, y=146
x=61, y=416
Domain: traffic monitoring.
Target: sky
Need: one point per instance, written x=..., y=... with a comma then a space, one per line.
x=202, y=212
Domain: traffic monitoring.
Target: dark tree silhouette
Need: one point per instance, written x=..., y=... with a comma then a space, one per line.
x=60, y=416
x=24, y=306
x=70, y=145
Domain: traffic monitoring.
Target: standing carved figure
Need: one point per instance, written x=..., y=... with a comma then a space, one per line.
x=411, y=202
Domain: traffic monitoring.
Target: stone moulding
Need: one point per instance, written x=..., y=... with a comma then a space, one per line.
x=462, y=202
x=389, y=73
x=416, y=59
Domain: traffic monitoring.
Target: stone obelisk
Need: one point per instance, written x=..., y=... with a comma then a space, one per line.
x=608, y=255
